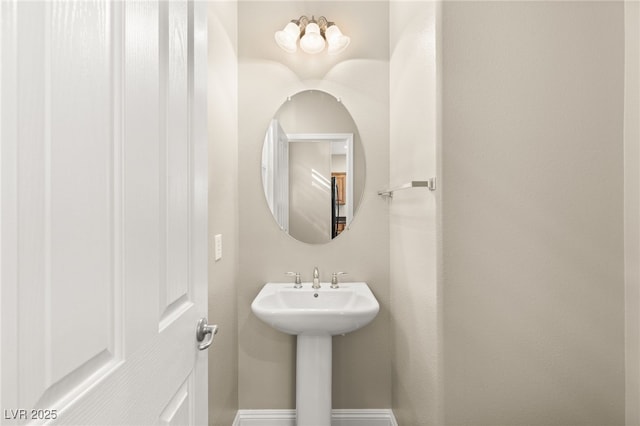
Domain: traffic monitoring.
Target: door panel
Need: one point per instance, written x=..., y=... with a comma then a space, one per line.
x=103, y=226
x=65, y=214
x=178, y=411
x=78, y=192
x=174, y=109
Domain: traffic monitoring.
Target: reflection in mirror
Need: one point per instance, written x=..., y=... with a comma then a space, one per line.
x=313, y=167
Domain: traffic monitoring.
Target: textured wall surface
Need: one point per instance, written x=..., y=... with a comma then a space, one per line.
x=632, y=208
x=223, y=211
x=415, y=305
x=532, y=215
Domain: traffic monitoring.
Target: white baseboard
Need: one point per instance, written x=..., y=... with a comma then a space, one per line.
x=381, y=417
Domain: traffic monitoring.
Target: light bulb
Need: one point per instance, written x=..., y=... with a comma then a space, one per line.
x=336, y=41
x=312, y=41
x=288, y=37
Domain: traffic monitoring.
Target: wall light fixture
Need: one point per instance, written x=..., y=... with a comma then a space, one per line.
x=314, y=35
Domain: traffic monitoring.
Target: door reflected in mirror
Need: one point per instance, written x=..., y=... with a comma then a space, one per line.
x=313, y=169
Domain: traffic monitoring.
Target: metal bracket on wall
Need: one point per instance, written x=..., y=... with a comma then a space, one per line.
x=429, y=184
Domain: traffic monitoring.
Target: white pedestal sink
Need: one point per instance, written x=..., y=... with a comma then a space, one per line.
x=314, y=315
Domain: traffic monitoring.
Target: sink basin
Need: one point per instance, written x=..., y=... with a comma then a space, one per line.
x=316, y=311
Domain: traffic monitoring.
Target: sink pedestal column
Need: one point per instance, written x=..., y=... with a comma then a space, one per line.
x=313, y=380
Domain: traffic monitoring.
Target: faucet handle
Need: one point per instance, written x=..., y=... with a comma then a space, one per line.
x=298, y=279
x=334, y=279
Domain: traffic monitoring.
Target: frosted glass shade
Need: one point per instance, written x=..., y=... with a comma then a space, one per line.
x=312, y=41
x=336, y=40
x=288, y=37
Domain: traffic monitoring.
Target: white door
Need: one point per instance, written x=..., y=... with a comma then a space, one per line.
x=282, y=178
x=275, y=173
x=103, y=191
x=310, y=191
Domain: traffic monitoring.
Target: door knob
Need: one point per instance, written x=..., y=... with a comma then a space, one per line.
x=203, y=329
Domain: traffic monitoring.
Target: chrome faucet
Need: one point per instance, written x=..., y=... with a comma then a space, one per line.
x=298, y=279
x=316, y=278
x=334, y=279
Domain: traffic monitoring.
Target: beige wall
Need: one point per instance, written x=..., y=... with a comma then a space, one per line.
x=632, y=209
x=223, y=211
x=267, y=75
x=532, y=290
x=532, y=217
x=415, y=306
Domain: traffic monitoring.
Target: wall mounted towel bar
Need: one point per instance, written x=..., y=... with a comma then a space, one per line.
x=430, y=184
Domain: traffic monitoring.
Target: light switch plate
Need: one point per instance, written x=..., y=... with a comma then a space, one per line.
x=218, y=246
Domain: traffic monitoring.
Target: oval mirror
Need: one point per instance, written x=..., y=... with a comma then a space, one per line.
x=313, y=167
